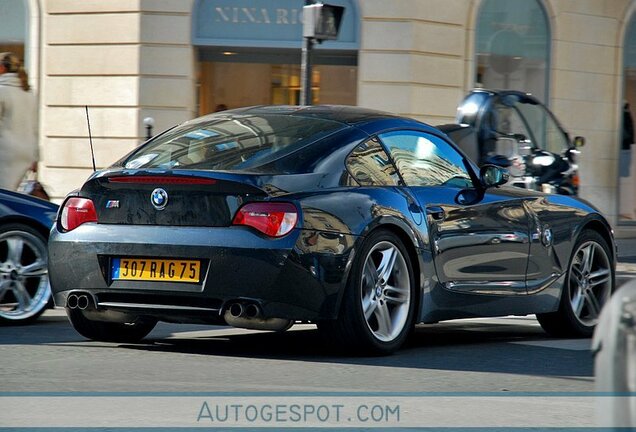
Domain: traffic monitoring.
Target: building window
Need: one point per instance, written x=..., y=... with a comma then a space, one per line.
x=228, y=85
x=249, y=53
x=513, y=47
x=13, y=30
x=627, y=159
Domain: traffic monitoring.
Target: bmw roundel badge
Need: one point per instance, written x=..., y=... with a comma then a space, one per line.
x=159, y=198
x=546, y=237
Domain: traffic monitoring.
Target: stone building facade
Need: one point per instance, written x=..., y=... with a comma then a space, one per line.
x=175, y=59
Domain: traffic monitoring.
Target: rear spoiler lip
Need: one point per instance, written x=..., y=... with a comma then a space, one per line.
x=120, y=174
x=263, y=184
x=252, y=184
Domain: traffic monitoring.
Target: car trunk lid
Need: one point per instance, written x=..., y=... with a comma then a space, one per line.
x=170, y=198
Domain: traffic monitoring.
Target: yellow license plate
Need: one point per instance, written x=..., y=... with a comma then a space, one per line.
x=168, y=270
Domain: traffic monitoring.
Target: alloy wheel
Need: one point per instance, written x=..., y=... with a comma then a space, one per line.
x=24, y=281
x=386, y=291
x=590, y=281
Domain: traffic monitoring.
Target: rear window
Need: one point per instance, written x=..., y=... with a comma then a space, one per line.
x=231, y=143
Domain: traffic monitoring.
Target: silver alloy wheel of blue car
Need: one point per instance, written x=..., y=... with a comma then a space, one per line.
x=24, y=280
x=386, y=292
x=590, y=282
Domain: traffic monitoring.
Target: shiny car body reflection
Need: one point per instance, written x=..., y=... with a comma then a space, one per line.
x=362, y=222
x=25, y=222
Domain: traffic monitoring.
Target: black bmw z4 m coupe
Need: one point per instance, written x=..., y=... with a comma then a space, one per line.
x=362, y=222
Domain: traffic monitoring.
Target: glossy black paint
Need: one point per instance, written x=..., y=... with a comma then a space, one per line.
x=476, y=251
x=20, y=208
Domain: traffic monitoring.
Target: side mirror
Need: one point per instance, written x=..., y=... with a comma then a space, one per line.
x=579, y=141
x=492, y=175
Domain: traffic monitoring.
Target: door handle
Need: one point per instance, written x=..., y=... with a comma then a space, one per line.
x=435, y=212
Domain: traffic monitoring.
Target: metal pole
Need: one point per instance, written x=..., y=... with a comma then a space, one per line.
x=305, y=72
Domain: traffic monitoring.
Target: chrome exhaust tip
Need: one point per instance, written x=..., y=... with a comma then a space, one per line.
x=236, y=310
x=250, y=316
x=83, y=302
x=71, y=301
x=252, y=311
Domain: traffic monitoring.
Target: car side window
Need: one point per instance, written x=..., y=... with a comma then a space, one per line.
x=426, y=160
x=369, y=165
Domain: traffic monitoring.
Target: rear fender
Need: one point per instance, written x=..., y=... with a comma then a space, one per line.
x=418, y=248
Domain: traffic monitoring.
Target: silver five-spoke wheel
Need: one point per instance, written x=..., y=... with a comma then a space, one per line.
x=386, y=292
x=379, y=304
x=24, y=281
x=590, y=282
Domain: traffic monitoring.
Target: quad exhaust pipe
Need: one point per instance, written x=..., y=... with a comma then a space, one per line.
x=252, y=311
x=236, y=310
x=82, y=302
x=78, y=301
x=71, y=302
x=247, y=315
x=250, y=316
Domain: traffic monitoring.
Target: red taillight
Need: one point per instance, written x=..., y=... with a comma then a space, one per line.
x=273, y=219
x=77, y=211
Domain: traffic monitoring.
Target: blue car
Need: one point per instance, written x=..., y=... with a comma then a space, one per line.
x=25, y=222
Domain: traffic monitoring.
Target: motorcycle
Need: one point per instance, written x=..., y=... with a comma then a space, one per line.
x=514, y=130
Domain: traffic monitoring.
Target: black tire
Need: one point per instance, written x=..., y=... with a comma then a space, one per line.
x=110, y=331
x=351, y=331
x=33, y=246
x=565, y=322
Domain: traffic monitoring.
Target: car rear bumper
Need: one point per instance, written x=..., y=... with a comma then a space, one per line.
x=299, y=276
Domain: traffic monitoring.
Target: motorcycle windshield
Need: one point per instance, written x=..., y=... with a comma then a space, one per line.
x=547, y=134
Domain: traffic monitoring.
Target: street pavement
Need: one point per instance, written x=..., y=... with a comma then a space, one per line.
x=510, y=354
x=477, y=355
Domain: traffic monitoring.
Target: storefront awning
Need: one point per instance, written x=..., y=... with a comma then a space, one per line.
x=265, y=24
